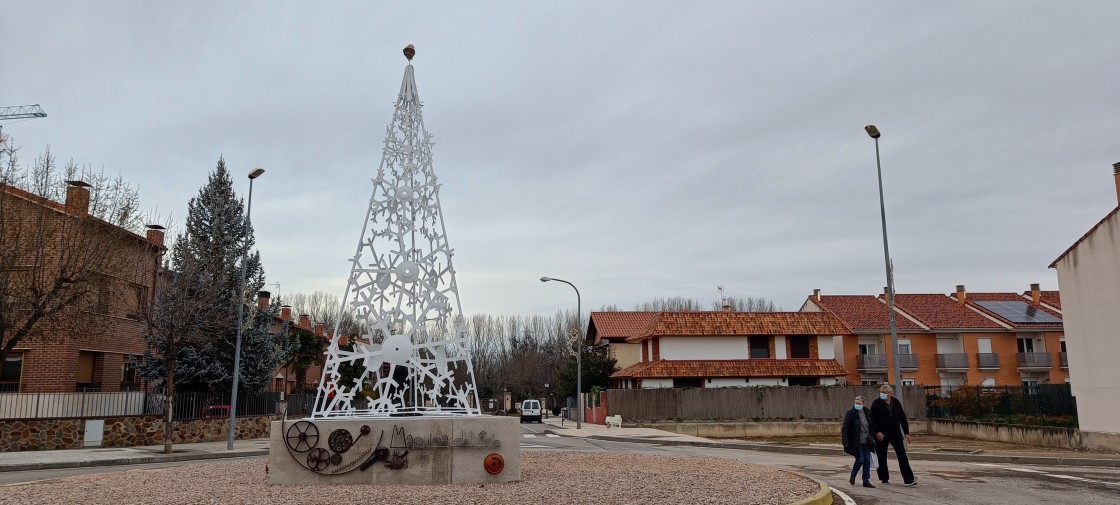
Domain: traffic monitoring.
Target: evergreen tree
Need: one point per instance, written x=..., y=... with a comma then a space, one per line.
x=217, y=236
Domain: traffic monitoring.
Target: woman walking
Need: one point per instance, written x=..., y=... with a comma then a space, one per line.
x=856, y=434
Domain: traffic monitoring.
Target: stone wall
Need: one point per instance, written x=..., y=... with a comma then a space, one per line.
x=49, y=434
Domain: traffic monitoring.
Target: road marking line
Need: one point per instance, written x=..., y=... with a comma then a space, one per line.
x=1067, y=477
x=528, y=435
x=552, y=435
x=531, y=446
x=988, y=464
x=847, y=499
x=1024, y=470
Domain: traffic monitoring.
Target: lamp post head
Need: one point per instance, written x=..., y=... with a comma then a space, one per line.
x=256, y=173
x=546, y=279
x=872, y=131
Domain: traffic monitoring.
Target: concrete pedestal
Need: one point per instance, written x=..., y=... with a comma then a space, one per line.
x=399, y=450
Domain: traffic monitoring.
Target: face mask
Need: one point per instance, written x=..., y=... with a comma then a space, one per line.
x=859, y=407
x=883, y=396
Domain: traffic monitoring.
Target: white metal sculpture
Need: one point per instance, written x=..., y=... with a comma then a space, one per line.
x=403, y=292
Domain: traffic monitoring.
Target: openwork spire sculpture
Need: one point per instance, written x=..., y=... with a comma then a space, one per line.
x=402, y=290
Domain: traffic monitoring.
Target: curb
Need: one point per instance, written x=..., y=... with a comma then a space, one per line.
x=822, y=497
x=143, y=460
x=926, y=456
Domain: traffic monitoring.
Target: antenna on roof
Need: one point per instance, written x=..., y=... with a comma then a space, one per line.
x=722, y=298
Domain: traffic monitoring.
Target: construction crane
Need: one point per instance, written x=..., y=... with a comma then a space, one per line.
x=19, y=112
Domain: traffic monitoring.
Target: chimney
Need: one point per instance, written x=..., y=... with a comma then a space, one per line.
x=77, y=197
x=155, y=234
x=319, y=329
x=286, y=312
x=262, y=299
x=1036, y=293
x=817, y=295
x=1116, y=176
x=961, y=295
x=726, y=307
x=305, y=321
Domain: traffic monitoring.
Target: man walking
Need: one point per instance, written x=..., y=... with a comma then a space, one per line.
x=890, y=421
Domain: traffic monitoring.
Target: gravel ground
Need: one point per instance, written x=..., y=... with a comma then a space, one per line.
x=547, y=477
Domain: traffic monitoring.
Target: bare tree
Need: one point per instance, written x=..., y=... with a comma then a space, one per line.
x=183, y=315
x=66, y=250
x=325, y=308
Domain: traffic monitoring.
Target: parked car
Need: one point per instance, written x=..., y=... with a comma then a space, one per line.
x=531, y=411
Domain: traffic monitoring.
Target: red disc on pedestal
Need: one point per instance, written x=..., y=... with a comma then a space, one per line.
x=494, y=463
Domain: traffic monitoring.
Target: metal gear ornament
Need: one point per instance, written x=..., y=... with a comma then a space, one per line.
x=402, y=291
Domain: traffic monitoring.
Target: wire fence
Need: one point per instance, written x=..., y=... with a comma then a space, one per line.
x=139, y=403
x=1002, y=402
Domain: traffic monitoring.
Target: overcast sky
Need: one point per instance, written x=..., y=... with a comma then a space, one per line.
x=637, y=149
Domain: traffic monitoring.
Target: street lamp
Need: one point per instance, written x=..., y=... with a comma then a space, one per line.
x=240, y=314
x=874, y=133
x=579, y=355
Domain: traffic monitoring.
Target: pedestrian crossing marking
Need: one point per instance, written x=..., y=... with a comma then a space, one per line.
x=528, y=435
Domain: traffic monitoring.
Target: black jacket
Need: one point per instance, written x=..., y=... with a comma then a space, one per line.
x=849, y=433
x=890, y=420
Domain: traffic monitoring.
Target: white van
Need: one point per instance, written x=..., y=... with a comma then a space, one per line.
x=531, y=411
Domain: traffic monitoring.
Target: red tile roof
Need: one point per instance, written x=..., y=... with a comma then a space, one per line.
x=616, y=326
x=1011, y=297
x=864, y=312
x=733, y=368
x=940, y=312
x=743, y=323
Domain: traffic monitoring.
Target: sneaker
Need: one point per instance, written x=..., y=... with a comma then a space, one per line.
x=868, y=484
x=911, y=483
x=885, y=483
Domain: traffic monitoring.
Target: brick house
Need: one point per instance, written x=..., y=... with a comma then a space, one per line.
x=993, y=339
x=727, y=349
x=284, y=379
x=87, y=346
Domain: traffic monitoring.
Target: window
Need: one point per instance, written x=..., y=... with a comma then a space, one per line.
x=1025, y=345
x=865, y=349
x=1063, y=344
x=10, y=373
x=907, y=382
x=904, y=347
x=760, y=347
x=869, y=382
x=799, y=347
x=14, y=287
x=688, y=383
x=137, y=300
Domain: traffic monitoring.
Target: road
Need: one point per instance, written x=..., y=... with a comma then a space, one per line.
x=939, y=482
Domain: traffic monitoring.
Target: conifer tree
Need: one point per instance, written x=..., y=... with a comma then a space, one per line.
x=217, y=235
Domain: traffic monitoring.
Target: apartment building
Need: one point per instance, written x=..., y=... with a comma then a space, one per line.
x=726, y=349
x=106, y=274
x=992, y=339
x=1089, y=275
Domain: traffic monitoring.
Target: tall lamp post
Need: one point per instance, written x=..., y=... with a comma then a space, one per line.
x=240, y=314
x=579, y=355
x=897, y=370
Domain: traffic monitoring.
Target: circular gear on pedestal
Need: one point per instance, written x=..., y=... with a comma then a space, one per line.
x=318, y=459
x=340, y=441
x=302, y=436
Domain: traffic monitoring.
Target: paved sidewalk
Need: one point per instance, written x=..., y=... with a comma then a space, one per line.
x=104, y=456
x=948, y=450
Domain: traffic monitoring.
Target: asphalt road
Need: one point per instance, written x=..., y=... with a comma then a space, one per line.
x=939, y=482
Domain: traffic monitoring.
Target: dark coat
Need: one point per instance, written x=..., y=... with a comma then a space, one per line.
x=849, y=432
x=890, y=420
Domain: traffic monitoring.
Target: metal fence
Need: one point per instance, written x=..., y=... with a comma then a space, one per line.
x=749, y=403
x=977, y=402
x=136, y=403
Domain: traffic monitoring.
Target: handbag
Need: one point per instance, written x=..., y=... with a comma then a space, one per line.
x=874, y=461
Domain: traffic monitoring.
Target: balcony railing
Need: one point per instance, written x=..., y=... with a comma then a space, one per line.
x=1064, y=359
x=908, y=361
x=1034, y=360
x=871, y=362
x=987, y=360
x=953, y=360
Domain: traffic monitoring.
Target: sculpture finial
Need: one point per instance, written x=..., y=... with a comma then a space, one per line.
x=409, y=51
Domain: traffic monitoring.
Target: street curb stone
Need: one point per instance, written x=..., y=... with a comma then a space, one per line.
x=146, y=460
x=822, y=497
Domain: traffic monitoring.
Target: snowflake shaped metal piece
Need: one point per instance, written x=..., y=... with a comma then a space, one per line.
x=402, y=289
